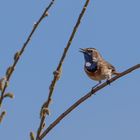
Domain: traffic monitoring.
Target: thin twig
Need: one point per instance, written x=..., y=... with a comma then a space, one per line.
x=44, y=109
x=18, y=54
x=82, y=99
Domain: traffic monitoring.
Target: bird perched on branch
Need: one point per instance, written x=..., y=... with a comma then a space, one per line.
x=96, y=67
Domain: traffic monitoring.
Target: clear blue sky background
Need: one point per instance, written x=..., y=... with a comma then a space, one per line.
x=111, y=26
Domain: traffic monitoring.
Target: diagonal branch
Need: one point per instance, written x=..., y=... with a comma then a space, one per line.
x=45, y=107
x=82, y=99
x=18, y=54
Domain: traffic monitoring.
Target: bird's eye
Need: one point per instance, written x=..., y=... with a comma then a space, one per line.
x=90, y=51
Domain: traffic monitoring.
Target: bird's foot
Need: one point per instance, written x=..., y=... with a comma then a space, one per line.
x=108, y=82
x=96, y=85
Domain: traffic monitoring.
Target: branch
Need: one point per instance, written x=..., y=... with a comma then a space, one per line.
x=17, y=56
x=45, y=107
x=82, y=99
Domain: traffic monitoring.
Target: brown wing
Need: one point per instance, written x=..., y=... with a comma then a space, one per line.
x=110, y=66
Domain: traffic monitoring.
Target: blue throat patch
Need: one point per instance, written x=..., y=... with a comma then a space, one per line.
x=92, y=67
x=88, y=57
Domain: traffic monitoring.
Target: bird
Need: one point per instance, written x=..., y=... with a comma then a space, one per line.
x=96, y=67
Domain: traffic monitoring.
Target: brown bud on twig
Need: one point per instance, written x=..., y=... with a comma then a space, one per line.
x=7, y=83
x=16, y=56
x=32, y=136
x=2, y=82
x=34, y=25
x=10, y=95
x=2, y=116
x=43, y=126
x=48, y=111
x=57, y=73
x=46, y=14
x=9, y=70
x=45, y=111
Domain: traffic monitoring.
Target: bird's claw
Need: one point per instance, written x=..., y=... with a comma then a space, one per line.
x=108, y=82
x=96, y=86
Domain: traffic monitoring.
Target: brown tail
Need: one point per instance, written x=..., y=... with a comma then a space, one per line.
x=116, y=73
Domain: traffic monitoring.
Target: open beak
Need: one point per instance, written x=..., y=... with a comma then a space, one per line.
x=82, y=50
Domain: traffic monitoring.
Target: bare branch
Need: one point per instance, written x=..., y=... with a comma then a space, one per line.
x=17, y=55
x=82, y=99
x=46, y=104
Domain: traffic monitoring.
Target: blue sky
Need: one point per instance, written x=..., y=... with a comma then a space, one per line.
x=110, y=26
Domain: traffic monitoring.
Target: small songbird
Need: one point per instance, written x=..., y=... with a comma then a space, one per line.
x=96, y=67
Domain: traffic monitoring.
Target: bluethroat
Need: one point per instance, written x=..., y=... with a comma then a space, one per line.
x=96, y=67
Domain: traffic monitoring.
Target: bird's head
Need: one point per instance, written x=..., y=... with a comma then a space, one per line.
x=90, y=54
